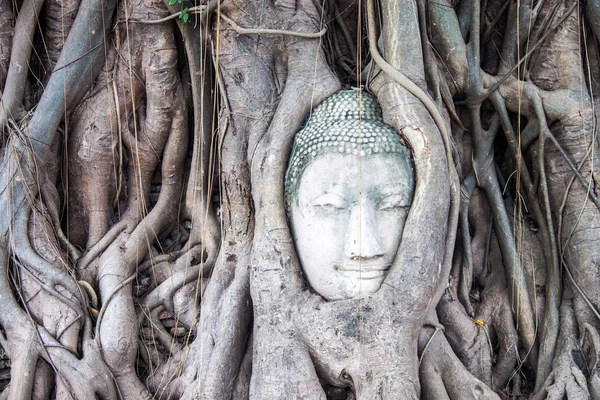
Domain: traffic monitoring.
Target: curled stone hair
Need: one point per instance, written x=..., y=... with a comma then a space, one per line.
x=349, y=122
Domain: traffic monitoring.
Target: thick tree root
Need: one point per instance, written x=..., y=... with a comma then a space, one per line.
x=259, y=331
x=566, y=381
x=59, y=16
x=6, y=34
x=29, y=342
x=442, y=374
x=16, y=77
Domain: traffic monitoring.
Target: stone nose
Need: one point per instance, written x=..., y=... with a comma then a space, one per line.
x=362, y=237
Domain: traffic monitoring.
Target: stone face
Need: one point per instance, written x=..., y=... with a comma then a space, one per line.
x=348, y=201
x=347, y=221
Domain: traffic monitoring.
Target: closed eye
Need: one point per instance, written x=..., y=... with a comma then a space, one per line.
x=330, y=201
x=394, y=202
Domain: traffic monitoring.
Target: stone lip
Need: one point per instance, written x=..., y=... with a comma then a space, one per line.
x=363, y=271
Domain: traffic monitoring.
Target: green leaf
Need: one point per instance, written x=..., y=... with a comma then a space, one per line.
x=184, y=15
x=171, y=2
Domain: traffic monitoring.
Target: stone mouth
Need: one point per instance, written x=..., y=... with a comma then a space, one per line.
x=363, y=271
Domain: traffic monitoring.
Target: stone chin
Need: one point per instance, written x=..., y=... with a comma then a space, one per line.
x=354, y=286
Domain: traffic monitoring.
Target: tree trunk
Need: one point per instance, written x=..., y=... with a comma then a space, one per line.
x=147, y=248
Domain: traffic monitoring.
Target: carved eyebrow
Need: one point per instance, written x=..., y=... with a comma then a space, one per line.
x=386, y=191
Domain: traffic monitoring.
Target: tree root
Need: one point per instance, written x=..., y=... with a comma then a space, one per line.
x=442, y=374
x=22, y=46
x=566, y=380
x=28, y=342
x=163, y=293
x=59, y=17
x=6, y=35
x=119, y=328
x=52, y=278
x=469, y=340
x=261, y=333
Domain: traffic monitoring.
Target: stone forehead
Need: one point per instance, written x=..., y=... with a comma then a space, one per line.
x=348, y=122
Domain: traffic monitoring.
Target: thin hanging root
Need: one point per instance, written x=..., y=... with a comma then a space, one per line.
x=344, y=28
x=264, y=31
x=581, y=292
x=90, y=292
x=438, y=328
x=203, y=11
x=532, y=131
x=575, y=169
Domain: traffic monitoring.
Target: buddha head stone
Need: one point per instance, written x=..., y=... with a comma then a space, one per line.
x=349, y=186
